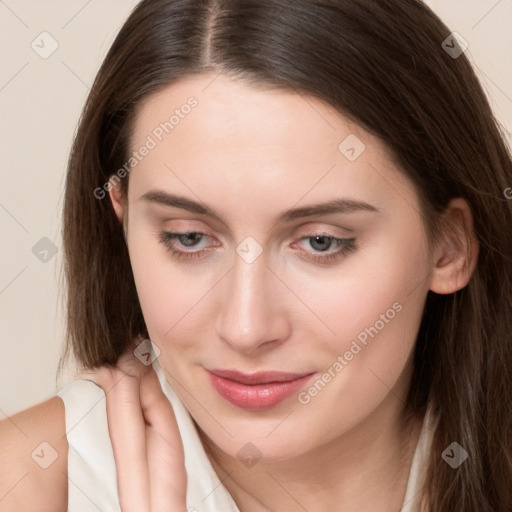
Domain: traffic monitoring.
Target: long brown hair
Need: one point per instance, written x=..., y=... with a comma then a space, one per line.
x=382, y=64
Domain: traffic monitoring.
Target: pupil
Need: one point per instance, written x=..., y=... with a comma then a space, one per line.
x=190, y=237
x=324, y=238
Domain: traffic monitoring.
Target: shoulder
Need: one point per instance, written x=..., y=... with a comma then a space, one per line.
x=33, y=459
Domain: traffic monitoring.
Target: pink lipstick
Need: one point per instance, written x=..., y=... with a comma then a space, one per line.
x=256, y=391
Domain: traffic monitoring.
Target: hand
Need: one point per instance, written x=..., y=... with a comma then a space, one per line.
x=146, y=441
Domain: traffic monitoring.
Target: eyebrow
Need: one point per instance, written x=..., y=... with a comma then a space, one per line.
x=342, y=205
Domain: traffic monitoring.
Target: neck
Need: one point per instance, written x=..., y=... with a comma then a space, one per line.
x=364, y=469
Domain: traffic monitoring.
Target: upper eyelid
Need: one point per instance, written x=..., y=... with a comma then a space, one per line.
x=304, y=231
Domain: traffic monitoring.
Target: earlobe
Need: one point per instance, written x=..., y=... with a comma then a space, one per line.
x=456, y=253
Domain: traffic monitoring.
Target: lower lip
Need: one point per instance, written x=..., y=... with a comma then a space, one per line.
x=259, y=396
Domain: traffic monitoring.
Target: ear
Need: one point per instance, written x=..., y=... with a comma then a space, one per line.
x=456, y=253
x=118, y=200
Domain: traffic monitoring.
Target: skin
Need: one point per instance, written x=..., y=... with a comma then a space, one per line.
x=250, y=154
x=25, y=481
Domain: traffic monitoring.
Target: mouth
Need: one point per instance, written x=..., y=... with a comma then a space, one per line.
x=256, y=391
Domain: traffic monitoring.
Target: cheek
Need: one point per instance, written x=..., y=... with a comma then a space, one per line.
x=379, y=290
x=383, y=310
x=175, y=298
x=375, y=311
x=163, y=292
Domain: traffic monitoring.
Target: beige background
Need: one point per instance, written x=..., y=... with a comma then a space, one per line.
x=40, y=102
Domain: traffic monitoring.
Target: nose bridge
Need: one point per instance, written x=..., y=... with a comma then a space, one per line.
x=249, y=317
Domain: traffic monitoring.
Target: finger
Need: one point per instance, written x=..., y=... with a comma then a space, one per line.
x=128, y=437
x=166, y=460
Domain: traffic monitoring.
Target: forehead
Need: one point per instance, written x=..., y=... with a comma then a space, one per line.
x=230, y=111
x=218, y=137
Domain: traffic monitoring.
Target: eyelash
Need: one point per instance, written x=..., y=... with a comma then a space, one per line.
x=347, y=245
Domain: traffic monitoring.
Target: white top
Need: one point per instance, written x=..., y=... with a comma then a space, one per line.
x=92, y=470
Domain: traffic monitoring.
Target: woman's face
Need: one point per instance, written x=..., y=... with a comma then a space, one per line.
x=274, y=283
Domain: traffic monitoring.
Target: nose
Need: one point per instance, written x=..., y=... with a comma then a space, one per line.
x=253, y=315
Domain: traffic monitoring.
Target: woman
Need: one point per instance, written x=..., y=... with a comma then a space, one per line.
x=302, y=205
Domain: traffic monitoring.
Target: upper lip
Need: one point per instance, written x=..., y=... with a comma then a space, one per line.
x=263, y=377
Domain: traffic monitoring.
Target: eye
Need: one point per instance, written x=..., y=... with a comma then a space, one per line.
x=322, y=242
x=188, y=240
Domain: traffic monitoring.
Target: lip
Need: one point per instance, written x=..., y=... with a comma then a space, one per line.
x=256, y=391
